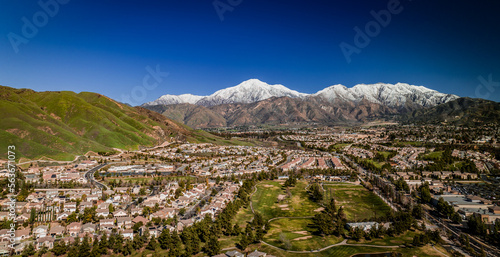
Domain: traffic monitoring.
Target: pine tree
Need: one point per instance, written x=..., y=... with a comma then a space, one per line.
x=103, y=245
x=213, y=246
x=84, y=249
x=164, y=239
x=243, y=243
x=175, y=244
x=59, y=248
x=28, y=251
x=152, y=244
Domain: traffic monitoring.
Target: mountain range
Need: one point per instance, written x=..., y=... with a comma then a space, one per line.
x=254, y=102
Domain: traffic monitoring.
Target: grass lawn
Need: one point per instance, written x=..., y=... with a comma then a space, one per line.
x=300, y=233
x=358, y=202
x=434, y=155
x=243, y=216
x=299, y=205
x=376, y=163
x=385, y=154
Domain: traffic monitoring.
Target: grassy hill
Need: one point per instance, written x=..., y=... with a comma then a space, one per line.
x=63, y=124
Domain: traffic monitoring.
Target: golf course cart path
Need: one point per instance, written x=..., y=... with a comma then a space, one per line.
x=344, y=242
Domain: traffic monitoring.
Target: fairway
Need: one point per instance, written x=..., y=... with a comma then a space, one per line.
x=299, y=233
x=359, y=203
x=265, y=201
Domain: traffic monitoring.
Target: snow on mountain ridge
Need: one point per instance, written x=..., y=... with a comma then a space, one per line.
x=176, y=99
x=254, y=90
x=388, y=94
x=250, y=91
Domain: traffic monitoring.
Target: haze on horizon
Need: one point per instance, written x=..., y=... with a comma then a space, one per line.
x=112, y=47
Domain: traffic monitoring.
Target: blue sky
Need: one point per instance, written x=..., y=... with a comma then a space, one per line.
x=106, y=46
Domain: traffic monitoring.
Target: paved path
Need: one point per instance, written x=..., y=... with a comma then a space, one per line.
x=344, y=242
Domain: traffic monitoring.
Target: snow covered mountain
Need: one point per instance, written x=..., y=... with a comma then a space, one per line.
x=254, y=90
x=390, y=95
x=175, y=99
x=249, y=91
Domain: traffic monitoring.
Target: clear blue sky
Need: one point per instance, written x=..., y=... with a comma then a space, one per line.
x=105, y=46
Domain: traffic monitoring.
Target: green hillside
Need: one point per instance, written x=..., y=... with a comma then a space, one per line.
x=63, y=124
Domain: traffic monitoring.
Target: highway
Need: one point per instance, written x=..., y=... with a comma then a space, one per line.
x=89, y=175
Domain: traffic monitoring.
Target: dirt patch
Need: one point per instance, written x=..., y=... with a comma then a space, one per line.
x=268, y=186
x=18, y=132
x=46, y=129
x=285, y=209
x=320, y=209
x=283, y=205
x=301, y=232
x=302, y=238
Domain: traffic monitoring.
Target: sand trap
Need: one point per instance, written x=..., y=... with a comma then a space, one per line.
x=268, y=186
x=319, y=209
x=283, y=205
x=285, y=209
x=302, y=238
x=301, y=232
x=282, y=183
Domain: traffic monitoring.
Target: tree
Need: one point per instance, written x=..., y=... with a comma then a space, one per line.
x=164, y=239
x=290, y=182
x=73, y=249
x=175, y=244
x=243, y=243
x=418, y=211
x=316, y=193
x=111, y=208
x=153, y=244
x=32, y=218
x=59, y=248
x=137, y=226
x=89, y=215
x=357, y=233
x=28, y=251
x=213, y=246
x=330, y=208
x=72, y=217
x=84, y=249
x=43, y=250
x=103, y=245
x=425, y=193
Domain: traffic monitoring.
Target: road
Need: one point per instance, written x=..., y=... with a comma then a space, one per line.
x=89, y=175
x=474, y=242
